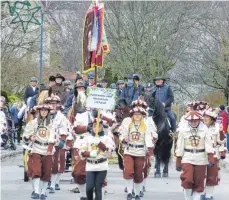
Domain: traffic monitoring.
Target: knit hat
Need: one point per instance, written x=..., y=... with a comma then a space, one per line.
x=222, y=107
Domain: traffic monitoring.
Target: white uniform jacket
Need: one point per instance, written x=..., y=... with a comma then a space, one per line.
x=193, y=145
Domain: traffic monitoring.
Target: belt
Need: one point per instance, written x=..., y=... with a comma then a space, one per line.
x=136, y=146
x=195, y=150
x=101, y=160
x=41, y=143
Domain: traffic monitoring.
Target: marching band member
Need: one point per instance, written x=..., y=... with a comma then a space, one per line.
x=40, y=132
x=81, y=129
x=216, y=132
x=153, y=130
x=60, y=126
x=194, y=151
x=95, y=149
x=137, y=138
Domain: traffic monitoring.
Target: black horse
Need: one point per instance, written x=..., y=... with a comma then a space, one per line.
x=164, y=143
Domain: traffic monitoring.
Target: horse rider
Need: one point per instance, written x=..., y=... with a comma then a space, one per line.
x=31, y=90
x=40, y=133
x=81, y=129
x=70, y=95
x=60, y=126
x=137, y=84
x=120, y=85
x=136, y=137
x=59, y=89
x=96, y=148
x=130, y=92
x=165, y=95
x=215, y=130
x=195, y=151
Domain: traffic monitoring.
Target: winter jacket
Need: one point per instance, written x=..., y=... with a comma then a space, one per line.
x=30, y=93
x=224, y=116
x=165, y=95
x=14, y=112
x=130, y=94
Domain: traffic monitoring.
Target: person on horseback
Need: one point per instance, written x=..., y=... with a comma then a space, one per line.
x=195, y=151
x=136, y=137
x=130, y=92
x=120, y=85
x=165, y=95
x=70, y=94
x=31, y=90
x=60, y=125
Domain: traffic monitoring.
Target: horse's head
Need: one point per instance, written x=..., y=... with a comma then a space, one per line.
x=150, y=99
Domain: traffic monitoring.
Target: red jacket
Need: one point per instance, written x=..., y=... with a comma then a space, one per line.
x=225, y=121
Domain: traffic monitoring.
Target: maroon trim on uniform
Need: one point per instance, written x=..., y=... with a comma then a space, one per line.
x=102, y=146
x=85, y=154
x=150, y=151
x=80, y=129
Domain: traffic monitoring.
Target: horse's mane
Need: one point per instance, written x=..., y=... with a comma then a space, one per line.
x=159, y=108
x=42, y=96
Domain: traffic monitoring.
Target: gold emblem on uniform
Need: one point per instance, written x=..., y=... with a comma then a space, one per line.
x=194, y=140
x=135, y=136
x=42, y=131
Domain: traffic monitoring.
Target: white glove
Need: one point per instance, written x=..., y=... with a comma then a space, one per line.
x=96, y=140
x=93, y=153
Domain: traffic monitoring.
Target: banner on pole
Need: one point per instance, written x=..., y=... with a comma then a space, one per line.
x=95, y=43
x=101, y=98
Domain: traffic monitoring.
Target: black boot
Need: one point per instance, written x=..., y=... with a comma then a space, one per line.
x=129, y=197
x=165, y=174
x=42, y=196
x=137, y=197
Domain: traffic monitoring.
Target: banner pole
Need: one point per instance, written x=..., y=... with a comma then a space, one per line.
x=97, y=124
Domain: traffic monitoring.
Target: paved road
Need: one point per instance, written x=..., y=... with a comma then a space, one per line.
x=13, y=187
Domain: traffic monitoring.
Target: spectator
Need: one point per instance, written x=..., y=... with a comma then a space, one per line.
x=104, y=83
x=31, y=90
x=227, y=110
x=113, y=86
x=91, y=79
x=67, y=85
x=222, y=113
x=58, y=89
x=14, y=110
x=3, y=126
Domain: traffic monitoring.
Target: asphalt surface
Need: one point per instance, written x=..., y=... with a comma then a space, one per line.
x=14, y=188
